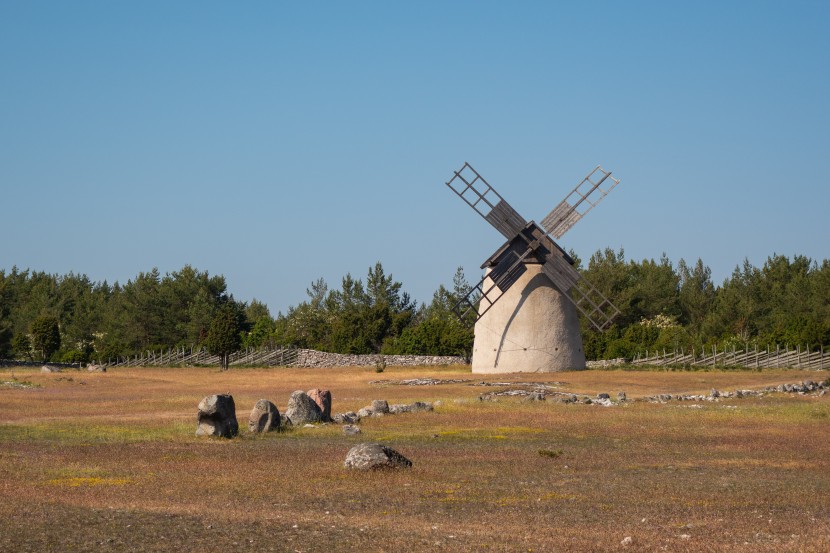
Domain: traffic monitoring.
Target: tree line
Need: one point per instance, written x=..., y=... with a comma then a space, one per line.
x=72, y=319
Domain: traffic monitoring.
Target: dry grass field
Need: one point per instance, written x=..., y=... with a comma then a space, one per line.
x=109, y=462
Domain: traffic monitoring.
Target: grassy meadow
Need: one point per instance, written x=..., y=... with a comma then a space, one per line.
x=109, y=462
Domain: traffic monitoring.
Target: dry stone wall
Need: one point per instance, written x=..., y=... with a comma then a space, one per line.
x=312, y=358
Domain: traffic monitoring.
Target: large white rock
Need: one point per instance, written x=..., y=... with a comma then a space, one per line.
x=531, y=328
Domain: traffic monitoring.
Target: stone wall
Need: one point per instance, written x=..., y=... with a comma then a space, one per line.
x=603, y=363
x=312, y=358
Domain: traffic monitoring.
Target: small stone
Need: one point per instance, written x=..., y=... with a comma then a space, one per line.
x=627, y=541
x=369, y=456
x=351, y=430
x=714, y=393
x=621, y=396
x=364, y=412
x=217, y=417
x=685, y=536
x=346, y=418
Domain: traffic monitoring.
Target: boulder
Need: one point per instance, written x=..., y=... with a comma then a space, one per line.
x=50, y=369
x=265, y=417
x=323, y=400
x=604, y=395
x=302, y=409
x=351, y=430
x=380, y=406
x=621, y=396
x=364, y=412
x=217, y=417
x=368, y=456
x=96, y=368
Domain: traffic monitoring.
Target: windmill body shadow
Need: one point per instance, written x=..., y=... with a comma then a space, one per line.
x=525, y=308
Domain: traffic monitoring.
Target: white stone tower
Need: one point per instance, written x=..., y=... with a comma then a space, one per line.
x=526, y=308
x=532, y=328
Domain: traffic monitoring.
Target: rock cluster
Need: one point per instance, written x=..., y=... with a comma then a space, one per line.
x=381, y=407
x=802, y=388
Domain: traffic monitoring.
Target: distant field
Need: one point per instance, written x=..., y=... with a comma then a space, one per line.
x=109, y=462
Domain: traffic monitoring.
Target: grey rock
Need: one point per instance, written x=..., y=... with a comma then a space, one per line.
x=621, y=396
x=96, y=368
x=365, y=412
x=535, y=396
x=398, y=408
x=664, y=397
x=302, y=409
x=50, y=369
x=420, y=406
x=714, y=393
x=351, y=430
x=603, y=396
x=217, y=417
x=368, y=456
x=380, y=406
x=264, y=417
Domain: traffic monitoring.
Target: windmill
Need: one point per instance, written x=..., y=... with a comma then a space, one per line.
x=525, y=307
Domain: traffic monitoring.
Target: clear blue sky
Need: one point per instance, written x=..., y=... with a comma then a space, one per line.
x=279, y=142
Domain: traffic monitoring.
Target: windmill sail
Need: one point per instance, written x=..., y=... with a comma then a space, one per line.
x=580, y=201
x=483, y=198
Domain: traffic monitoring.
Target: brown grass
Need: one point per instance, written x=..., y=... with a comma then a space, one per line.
x=109, y=462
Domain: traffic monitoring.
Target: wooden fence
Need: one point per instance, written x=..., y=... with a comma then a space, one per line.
x=747, y=357
x=184, y=356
